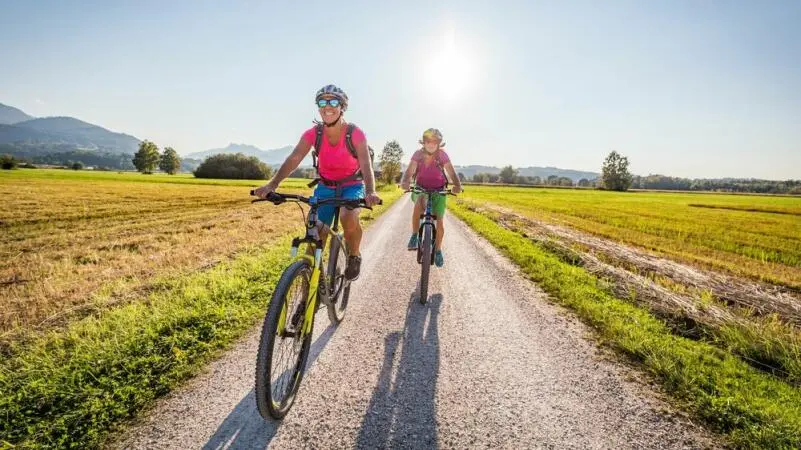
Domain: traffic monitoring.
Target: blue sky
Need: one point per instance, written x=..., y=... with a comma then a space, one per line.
x=685, y=88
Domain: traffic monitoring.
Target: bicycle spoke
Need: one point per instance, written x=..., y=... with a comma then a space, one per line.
x=287, y=348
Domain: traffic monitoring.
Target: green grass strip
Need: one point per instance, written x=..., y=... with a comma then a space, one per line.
x=69, y=388
x=753, y=409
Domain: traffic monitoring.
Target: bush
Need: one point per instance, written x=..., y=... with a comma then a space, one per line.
x=7, y=162
x=237, y=167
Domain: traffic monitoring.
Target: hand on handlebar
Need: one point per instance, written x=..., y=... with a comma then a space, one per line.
x=263, y=191
x=372, y=199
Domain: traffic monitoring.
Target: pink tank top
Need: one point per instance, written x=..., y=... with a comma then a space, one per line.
x=430, y=176
x=335, y=162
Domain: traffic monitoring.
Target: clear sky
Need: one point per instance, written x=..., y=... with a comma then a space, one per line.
x=685, y=88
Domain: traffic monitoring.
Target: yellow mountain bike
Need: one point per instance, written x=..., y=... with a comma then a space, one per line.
x=287, y=330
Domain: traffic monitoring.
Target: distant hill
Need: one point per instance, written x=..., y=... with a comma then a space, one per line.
x=545, y=172
x=87, y=135
x=46, y=135
x=542, y=172
x=272, y=157
x=10, y=115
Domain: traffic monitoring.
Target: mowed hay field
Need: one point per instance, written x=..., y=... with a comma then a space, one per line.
x=753, y=236
x=74, y=241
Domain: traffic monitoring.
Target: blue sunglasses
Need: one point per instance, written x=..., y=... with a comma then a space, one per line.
x=323, y=102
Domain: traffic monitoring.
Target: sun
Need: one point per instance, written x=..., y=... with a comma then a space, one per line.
x=449, y=69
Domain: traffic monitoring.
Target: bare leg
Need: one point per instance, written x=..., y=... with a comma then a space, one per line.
x=440, y=233
x=322, y=230
x=352, y=230
x=419, y=208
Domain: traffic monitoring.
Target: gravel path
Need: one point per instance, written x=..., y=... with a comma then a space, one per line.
x=486, y=363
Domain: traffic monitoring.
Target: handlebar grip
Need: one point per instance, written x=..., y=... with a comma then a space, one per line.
x=275, y=198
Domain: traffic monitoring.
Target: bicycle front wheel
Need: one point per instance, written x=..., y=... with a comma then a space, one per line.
x=427, y=250
x=284, y=347
x=338, y=287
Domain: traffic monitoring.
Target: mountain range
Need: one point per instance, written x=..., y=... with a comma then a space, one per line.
x=542, y=172
x=25, y=136
x=272, y=157
x=9, y=115
x=44, y=135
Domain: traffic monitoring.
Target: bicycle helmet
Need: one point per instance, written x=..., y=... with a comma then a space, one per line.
x=338, y=93
x=432, y=133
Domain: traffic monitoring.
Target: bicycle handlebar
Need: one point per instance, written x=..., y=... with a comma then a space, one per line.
x=278, y=198
x=431, y=191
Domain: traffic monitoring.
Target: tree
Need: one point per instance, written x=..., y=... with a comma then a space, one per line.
x=553, y=180
x=462, y=178
x=170, y=161
x=77, y=165
x=147, y=158
x=508, y=175
x=584, y=182
x=615, y=174
x=565, y=181
x=236, y=167
x=8, y=162
x=390, y=165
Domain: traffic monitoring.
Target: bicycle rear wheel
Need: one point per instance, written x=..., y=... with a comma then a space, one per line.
x=338, y=286
x=426, y=249
x=284, y=348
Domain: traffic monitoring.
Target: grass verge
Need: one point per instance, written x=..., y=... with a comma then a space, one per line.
x=752, y=409
x=69, y=388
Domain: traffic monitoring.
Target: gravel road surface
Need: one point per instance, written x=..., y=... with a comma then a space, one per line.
x=487, y=363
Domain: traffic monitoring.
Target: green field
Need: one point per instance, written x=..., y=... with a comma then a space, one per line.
x=736, y=366
x=118, y=286
x=753, y=236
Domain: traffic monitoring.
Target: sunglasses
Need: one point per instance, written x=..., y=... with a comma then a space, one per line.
x=333, y=102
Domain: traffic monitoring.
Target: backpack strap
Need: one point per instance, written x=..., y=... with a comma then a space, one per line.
x=349, y=139
x=318, y=142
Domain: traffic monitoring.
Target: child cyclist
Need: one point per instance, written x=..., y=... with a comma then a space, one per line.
x=428, y=167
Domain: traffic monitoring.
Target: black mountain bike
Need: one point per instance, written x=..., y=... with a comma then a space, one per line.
x=287, y=330
x=427, y=236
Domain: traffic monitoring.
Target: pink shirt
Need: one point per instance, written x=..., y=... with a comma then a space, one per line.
x=430, y=176
x=335, y=162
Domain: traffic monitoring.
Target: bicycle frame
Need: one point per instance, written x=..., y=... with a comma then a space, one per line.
x=312, y=238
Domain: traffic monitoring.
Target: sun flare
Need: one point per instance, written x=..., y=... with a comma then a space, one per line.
x=449, y=69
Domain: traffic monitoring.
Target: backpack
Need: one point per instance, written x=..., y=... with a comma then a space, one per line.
x=318, y=142
x=439, y=165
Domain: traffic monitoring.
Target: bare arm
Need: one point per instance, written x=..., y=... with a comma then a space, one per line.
x=457, y=183
x=407, y=176
x=366, y=167
x=290, y=164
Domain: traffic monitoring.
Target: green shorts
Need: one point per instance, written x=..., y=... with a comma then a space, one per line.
x=438, y=203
